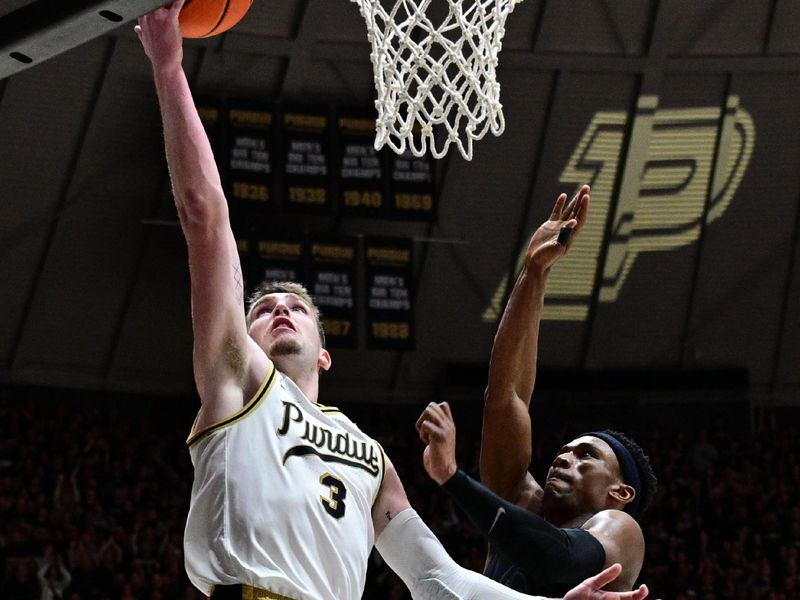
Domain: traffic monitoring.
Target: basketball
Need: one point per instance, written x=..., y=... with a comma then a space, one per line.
x=206, y=18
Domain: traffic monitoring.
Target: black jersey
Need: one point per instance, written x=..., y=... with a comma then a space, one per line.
x=510, y=575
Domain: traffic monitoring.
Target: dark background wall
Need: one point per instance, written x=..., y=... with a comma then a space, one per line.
x=682, y=115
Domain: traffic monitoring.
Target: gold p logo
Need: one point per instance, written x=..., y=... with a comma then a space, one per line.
x=676, y=159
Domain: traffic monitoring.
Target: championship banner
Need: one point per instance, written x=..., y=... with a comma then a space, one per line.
x=248, y=155
x=413, y=194
x=362, y=173
x=332, y=271
x=390, y=318
x=307, y=170
x=280, y=257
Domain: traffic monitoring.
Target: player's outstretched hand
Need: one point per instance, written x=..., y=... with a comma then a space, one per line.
x=590, y=589
x=437, y=430
x=555, y=236
x=160, y=34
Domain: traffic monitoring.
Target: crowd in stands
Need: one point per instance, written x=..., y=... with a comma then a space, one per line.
x=94, y=496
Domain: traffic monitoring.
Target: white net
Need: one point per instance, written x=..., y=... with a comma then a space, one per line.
x=436, y=84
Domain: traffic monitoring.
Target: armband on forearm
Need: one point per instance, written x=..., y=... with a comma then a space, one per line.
x=419, y=559
x=547, y=553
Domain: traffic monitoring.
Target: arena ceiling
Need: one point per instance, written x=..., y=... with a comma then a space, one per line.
x=684, y=117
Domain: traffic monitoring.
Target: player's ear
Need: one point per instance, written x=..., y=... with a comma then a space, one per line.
x=622, y=493
x=324, y=361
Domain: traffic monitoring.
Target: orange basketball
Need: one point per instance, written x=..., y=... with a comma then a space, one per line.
x=205, y=18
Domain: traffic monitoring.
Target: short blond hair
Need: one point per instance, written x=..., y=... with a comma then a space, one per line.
x=286, y=287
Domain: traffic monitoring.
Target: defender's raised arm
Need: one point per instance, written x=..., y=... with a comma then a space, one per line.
x=506, y=441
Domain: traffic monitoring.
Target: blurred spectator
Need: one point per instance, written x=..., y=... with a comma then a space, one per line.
x=53, y=577
x=107, y=488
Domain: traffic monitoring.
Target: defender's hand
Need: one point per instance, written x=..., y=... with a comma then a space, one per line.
x=544, y=249
x=161, y=37
x=437, y=429
x=590, y=588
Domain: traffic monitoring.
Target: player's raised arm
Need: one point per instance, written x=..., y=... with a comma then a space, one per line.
x=506, y=441
x=412, y=551
x=224, y=355
x=545, y=553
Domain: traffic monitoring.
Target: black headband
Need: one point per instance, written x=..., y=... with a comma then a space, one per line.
x=628, y=467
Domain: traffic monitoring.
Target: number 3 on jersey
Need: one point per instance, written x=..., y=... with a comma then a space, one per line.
x=334, y=504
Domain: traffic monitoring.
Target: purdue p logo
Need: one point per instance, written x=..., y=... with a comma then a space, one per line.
x=676, y=159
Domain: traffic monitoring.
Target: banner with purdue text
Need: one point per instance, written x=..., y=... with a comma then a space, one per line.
x=280, y=257
x=306, y=162
x=390, y=318
x=332, y=267
x=413, y=193
x=362, y=181
x=249, y=161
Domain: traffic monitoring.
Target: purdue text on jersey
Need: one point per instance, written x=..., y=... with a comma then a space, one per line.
x=328, y=445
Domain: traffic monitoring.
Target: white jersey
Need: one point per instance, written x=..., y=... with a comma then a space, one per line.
x=282, y=498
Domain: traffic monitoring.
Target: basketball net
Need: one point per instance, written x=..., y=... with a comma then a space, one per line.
x=436, y=78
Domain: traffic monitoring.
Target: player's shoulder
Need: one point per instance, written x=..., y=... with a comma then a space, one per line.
x=341, y=417
x=332, y=411
x=617, y=527
x=623, y=542
x=232, y=403
x=613, y=516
